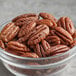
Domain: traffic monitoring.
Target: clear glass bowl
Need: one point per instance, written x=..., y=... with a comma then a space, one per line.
x=23, y=66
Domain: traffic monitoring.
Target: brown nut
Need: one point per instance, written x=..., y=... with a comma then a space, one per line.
x=58, y=49
x=21, y=53
x=41, y=29
x=65, y=37
x=25, y=16
x=42, y=49
x=17, y=46
x=15, y=52
x=53, y=40
x=30, y=54
x=67, y=24
x=25, y=21
x=9, y=32
x=2, y=44
x=38, y=34
x=26, y=29
x=51, y=23
x=10, y=51
x=47, y=16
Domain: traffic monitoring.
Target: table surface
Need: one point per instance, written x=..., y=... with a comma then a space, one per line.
x=12, y=8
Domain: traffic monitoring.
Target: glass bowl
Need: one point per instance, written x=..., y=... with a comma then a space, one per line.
x=23, y=66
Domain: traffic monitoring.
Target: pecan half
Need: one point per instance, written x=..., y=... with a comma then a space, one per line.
x=2, y=44
x=25, y=21
x=65, y=37
x=25, y=16
x=42, y=49
x=67, y=24
x=23, y=54
x=17, y=46
x=58, y=49
x=26, y=29
x=30, y=54
x=15, y=52
x=51, y=23
x=47, y=16
x=53, y=40
x=38, y=34
x=9, y=32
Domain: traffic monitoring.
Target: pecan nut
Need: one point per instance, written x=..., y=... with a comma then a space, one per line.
x=2, y=44
x=17, y=46
x=51, y=23
x=47, y=16
x=58, y=49
x=53, y=40
x=30, y=54
x=9, y=32
x=25, y=21
x=65, y=37
x=38, y=34
x=42, y=49
x=67, y=24
x=25, y=16
x=15, y=52
x=26, y=29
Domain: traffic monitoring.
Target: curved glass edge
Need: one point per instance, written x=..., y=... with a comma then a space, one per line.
x=46, y=66
x=12, y=55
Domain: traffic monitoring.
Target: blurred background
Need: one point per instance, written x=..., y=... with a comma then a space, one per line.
x=11, y=8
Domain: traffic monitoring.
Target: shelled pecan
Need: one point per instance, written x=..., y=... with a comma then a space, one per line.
x=67, y=24
x=65, y=37
x=58, y=49
x=47, y=16
x=51, y=23
x=25, y=21
x=42, y=49
x=26, y=29
x=9, y=32
x=38, y=34
x=53, y=40
x=25, y=16
x=17, y=46
x=30, y=54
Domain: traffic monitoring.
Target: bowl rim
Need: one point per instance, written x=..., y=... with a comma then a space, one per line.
x=27, y=58
x=44, y=66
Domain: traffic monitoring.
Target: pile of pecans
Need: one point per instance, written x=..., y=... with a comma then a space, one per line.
x=35, y=36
